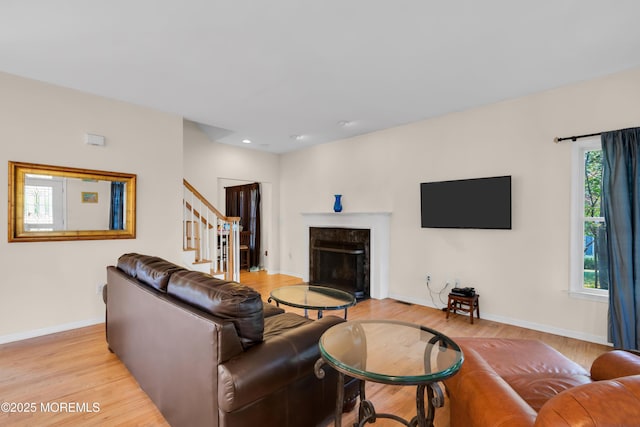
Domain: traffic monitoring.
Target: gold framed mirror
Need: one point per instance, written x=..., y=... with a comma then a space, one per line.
x=49, y=203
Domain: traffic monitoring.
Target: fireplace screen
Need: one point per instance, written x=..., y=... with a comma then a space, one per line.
x=339, y=258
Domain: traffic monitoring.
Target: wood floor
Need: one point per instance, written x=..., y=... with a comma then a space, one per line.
x=71, y=379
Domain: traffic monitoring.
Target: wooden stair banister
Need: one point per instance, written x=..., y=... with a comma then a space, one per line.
x=196, y=214
x=206, y=202
x=220, y=248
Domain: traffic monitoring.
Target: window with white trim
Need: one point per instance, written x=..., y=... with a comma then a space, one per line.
x=588, y=241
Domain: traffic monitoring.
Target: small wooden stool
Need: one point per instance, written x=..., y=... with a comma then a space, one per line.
x=464, y=304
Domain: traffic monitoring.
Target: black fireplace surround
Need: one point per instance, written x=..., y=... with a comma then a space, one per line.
x=339, y=258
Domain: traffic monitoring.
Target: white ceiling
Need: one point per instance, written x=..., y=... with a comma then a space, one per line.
x=270, y=70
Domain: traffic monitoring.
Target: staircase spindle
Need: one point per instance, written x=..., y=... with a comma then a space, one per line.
x=185, y=244
x=208, y=246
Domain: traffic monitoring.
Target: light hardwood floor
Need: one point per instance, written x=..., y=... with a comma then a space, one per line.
x=75, y=367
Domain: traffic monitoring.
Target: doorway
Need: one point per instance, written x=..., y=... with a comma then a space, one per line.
x=266, y=215
x=243, y=201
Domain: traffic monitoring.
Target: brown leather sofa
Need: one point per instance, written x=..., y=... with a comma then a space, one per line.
x=513, y=383
x=210, y=352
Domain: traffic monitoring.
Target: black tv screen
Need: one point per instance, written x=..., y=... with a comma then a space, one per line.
x=468, y=203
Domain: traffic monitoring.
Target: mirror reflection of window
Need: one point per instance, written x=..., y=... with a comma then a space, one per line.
x=43, y=203
x=38, y=204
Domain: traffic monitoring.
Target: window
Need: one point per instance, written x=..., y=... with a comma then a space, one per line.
x=589, y=250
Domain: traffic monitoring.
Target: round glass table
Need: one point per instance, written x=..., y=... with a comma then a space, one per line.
x=390, y=352
x=311, y=297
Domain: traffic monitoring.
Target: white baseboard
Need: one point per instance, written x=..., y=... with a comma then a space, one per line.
x=515, y=322
x=50, y=330
x=288, y=273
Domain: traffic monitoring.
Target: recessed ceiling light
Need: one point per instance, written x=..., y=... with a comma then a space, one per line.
x=344, y=123
x=297, y=137
x=246, y=141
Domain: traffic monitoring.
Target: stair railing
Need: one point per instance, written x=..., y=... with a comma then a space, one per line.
x=214, y=237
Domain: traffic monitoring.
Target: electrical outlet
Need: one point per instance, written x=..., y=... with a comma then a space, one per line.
x=99, y=287
x=428, y=279
x=457, y=283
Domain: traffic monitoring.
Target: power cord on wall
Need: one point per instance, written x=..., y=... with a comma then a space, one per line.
x=439, y=293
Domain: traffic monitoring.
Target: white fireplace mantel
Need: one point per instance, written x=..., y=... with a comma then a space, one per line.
x=378, y=224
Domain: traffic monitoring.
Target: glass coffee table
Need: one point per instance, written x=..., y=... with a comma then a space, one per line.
x=390, y=352
x=311, y=297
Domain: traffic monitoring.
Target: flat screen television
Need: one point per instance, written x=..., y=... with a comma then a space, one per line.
x=468, y=203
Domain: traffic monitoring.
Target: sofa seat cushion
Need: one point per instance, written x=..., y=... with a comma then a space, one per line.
x=233, y=301
x=513, y=357
x=536, y=371
x=277, y=324
x=537, y=389
x=270, y=310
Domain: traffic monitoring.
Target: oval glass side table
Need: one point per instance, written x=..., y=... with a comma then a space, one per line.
x=310, y=297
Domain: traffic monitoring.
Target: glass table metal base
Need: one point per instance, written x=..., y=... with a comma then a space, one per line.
x=367, y=412
x=394, y=353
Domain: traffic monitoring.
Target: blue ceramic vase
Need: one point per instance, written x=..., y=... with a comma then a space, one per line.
x=337, y=205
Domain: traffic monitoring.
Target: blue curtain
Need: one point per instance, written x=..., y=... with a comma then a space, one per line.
x=621, y=203
x=116, y=216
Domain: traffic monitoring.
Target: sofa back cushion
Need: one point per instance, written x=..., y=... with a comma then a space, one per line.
x=233, y=301
x=602, y=403
x=615, y=364
x=129, y=263
x=150, y=270
x=155, y=272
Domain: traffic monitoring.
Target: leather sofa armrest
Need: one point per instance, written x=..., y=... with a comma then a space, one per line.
x=602, y=403
x=484, y=399
x=615, y=364
x=229, y=345
x=479, y=397
x=271, y=365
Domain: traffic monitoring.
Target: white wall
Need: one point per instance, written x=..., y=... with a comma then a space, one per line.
x=49, y=286
x=209, y=166
x=88, y=216
x=521, y=274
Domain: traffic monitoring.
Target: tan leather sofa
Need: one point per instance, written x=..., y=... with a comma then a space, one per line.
x=210, y=352
x=513, y=383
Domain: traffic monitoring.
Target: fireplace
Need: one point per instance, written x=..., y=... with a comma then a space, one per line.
x=339, y=258
x=378, y=224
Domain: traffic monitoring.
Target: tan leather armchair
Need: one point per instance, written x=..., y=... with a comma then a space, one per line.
x=512, y=383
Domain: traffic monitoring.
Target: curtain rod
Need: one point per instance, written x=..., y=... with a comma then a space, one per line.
x=573, y=138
